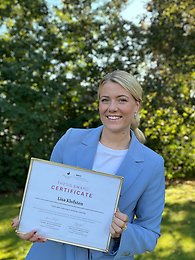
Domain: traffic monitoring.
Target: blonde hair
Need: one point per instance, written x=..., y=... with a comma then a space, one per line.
x=127, y=81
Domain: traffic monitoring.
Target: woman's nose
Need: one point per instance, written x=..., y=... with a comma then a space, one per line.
x=113, y=106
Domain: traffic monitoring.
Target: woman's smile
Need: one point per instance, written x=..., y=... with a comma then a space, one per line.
x=114, y=117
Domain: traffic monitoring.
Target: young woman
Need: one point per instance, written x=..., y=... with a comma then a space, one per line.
x=116, y=147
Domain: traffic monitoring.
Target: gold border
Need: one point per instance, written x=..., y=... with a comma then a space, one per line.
x=71, y=167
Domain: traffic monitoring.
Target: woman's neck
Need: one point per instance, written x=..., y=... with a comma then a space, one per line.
x=116, y=141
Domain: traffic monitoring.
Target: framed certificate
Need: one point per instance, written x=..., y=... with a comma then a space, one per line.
x=69, y=204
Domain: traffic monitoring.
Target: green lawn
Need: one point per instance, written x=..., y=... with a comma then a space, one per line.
x=11, y=247
x=178, y=227
x=177, y=241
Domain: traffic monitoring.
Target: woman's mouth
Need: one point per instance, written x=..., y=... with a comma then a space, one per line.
x=114, y=117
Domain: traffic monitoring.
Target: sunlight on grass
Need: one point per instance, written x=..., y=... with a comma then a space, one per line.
x=11, y=247
x=177, y=241
x=180, y=216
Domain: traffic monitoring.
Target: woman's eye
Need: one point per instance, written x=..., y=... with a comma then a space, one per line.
x=122, y=100
x=104, y=100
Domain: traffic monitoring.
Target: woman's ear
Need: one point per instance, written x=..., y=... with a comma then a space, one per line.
x=138, y=105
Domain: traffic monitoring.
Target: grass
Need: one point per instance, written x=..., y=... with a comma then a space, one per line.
x=11, y=247
x=177, y=241
x=178, y=227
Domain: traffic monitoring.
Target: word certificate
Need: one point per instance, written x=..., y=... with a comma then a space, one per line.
x=69, y=205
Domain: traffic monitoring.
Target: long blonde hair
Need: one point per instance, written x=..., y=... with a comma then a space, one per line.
x=127, y=81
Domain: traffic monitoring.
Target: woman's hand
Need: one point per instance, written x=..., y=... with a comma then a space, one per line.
x=30, y=236
x=119, y=224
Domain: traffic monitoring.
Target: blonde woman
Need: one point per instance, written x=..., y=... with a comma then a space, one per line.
x=115, y=147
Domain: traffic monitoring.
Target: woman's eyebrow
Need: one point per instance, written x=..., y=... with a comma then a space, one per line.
x=119, y=96
x=116, y=96
x=104, y=96
x=122, y=96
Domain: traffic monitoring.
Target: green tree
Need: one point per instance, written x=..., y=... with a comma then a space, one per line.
x=51, y=63
x=168, y=47
x=50, y=66
x=27, y=48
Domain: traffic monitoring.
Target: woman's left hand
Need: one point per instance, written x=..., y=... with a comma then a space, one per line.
x=31, y=236
x=119, y=224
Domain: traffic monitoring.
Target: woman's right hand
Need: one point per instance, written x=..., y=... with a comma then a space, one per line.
x=32, y=236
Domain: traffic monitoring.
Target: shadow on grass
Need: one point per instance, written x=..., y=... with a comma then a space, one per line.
x=179, y=216
x=178, y=225
x=11, y=247
x=177, y=241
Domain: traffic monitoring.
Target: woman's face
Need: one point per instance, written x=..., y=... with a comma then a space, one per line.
x=116, y=107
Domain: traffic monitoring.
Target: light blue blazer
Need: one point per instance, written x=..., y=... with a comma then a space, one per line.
x=142, y=197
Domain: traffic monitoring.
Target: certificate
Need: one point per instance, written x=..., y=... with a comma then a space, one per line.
x=69, y=204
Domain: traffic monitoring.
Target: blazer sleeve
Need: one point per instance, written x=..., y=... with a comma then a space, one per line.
x=58, y=150
x=142, y=234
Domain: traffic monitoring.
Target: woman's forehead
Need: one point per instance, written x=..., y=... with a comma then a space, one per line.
x=114, y=88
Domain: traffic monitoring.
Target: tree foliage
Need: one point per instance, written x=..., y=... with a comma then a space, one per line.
x=50, y=67
x=51, y=63
x=169, y=84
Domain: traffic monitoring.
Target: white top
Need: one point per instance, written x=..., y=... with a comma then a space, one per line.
x=108, y=160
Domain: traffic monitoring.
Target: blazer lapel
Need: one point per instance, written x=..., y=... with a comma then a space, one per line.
x=87, y=148
x=132, y=164
x=130, y=167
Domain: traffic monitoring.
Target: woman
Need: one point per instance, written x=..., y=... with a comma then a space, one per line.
x=116, y=148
